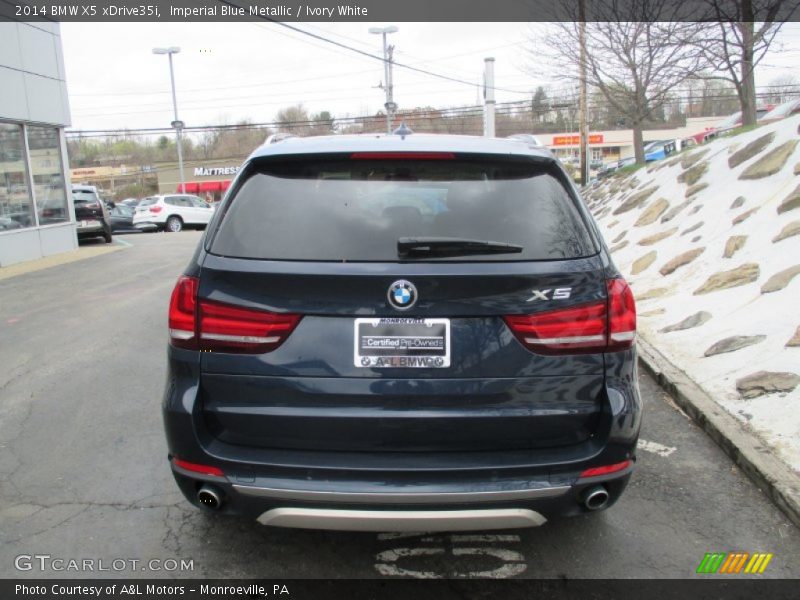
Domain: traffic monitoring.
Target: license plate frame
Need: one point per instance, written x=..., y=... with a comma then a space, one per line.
x=401, y=343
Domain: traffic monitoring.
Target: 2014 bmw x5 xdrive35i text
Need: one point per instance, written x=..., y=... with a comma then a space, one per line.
x=402, y=333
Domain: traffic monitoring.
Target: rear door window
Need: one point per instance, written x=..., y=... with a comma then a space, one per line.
x=336, y=208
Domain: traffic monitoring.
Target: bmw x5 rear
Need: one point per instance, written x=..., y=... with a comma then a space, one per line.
x=402, y=333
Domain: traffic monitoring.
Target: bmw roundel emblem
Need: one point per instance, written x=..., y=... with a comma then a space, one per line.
x=402, y=294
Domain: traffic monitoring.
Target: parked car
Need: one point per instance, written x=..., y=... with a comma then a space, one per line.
x=731, y=122
x=658, y=150
x=91, y=213
x=7, y=224
x=122, y=220
x=131, y=202
x=173, y=212
x=781, y=111
x=402, y=333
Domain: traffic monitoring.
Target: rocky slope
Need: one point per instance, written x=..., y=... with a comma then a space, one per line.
x=710, y=243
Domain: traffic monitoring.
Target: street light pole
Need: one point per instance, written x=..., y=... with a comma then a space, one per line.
x=176, y=123
x=387, y=74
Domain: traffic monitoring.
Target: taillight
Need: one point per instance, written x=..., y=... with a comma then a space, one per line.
x=214, y=326
x=182, y=310
x=402, y=156
x=155, y=209
x=227, y=328
x=569, y=330
x=621, y=315
x=597, y=327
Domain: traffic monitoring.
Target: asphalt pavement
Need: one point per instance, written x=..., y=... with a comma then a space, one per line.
x=84, y=476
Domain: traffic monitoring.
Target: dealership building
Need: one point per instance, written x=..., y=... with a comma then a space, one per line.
x=36, y=217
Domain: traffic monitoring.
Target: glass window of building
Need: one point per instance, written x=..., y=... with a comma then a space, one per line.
x=16, y=205
x=44, y=147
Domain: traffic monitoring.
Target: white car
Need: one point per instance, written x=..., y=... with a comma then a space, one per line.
x=172, y=212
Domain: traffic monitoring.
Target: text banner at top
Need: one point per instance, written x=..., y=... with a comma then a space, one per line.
x=389, y=10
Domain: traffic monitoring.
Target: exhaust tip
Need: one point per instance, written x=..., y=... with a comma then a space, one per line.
x=595, y=498
x=210, y=497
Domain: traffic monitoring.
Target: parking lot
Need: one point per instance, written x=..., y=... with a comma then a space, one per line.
x=83, y=470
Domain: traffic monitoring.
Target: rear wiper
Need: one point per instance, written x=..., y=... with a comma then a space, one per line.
x=410, y=247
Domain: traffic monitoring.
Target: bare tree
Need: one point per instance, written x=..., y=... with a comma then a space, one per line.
x=783, y=88
x=737, y=38
x=633, y=64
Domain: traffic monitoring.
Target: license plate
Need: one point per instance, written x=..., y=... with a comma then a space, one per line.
x=399, y=342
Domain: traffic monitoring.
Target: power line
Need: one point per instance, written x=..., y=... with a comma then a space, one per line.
x=368, y=54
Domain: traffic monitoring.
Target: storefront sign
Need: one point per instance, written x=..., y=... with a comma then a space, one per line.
x=574, y=140
x=215, y=171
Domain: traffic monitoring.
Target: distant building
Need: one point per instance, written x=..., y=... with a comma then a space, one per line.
x=36, y=216
x=617, y=144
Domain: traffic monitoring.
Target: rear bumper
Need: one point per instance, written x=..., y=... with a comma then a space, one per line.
x=477, y=505
x=401, y=490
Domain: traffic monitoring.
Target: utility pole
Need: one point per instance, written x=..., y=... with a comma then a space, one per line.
x=388, y=86
x=584, y=129
x=177, y=124
x=488, y=94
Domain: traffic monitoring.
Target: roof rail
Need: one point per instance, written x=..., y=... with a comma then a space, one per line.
x=279, y=137
x=529, y=138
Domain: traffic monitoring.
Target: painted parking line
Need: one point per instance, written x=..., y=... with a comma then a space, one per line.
x=655, y=448
x=487, y=559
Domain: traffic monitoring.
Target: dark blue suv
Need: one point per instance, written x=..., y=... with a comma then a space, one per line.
x=402, y=333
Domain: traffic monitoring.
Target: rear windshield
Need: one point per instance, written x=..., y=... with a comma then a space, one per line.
x=83, y=197
x=340, y=209
x=148, y=201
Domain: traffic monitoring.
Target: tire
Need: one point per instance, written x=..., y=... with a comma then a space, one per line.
x=174, y=224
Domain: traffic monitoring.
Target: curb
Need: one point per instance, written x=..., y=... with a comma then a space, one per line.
x=776, y=479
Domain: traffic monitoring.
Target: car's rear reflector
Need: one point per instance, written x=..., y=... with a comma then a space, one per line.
x=606, y=469
x=155, y=209
x=601, y=326
x=196, y=468
x=402, y=156
x=218, y=327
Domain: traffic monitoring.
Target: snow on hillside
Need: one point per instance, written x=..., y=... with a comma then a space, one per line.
x=710, y=243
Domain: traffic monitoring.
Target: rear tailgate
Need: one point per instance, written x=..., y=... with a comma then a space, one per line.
x=312, y=392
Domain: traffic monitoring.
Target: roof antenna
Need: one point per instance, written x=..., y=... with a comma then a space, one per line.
x=403, y=130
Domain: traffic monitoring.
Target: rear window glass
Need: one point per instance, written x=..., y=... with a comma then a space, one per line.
x=148, y=201
x=83, y=197
x=339, y=209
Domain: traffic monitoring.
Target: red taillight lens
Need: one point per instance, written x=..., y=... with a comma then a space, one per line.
x=598, y=327
x=155, y=209
x=218, y=327
x=621, y=315
x=227, y=328
x=402, y=156
x=570, y=330
x=195, y=468
x=605, y=470
x=182, y=309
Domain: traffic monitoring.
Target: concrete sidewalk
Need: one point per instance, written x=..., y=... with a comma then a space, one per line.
x=81, y=253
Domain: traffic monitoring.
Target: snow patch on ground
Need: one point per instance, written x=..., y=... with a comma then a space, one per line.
x=741, y=310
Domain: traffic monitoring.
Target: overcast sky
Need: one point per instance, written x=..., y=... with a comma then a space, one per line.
x=229, y=72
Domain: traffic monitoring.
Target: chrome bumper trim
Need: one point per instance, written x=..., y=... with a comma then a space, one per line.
x=402, y=520
x=400, y=497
